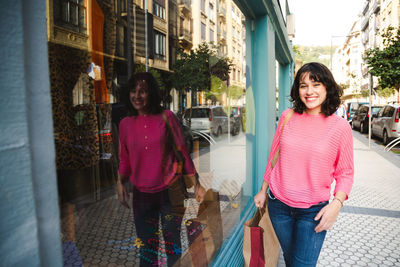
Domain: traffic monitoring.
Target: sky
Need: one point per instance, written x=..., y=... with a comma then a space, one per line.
x=317, y=20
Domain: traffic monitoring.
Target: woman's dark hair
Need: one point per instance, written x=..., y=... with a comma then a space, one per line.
x=318, y=73
x=154, y=98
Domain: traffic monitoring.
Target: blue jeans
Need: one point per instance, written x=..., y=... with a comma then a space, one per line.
x=294, y=228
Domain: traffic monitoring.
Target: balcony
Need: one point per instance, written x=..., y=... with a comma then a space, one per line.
x=376, y=6
x=221, y=36
x=222, y=13
x=364, y=23
x=185, y=39
x=185, y=7
x=365, y=8
x=365, y=38
x=377, y=25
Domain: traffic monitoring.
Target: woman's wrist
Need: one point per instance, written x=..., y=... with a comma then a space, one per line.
x=264, y=187
x=338, y=200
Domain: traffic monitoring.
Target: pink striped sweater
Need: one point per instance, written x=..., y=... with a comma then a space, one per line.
x=314, y=151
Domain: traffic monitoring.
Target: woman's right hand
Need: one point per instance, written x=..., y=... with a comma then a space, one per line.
x=123, y=194
x=259, y=199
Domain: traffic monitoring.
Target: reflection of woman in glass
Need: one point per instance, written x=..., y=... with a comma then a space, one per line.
x=316, y=148
x=148, y=160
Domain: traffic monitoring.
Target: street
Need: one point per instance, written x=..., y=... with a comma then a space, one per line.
x=367, y=232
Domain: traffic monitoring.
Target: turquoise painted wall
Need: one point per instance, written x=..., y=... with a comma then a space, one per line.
x=266, y=43
x=284, y=87
x=264, y=87
x=29, y=227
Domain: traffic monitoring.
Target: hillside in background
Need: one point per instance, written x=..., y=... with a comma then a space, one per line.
x=305, y=54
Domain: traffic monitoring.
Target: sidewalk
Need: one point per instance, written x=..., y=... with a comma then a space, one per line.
x=367, y=232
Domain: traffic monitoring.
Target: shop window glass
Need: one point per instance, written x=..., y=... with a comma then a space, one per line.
x=88, y=84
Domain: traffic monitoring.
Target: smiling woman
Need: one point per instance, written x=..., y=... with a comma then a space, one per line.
x=298, y=186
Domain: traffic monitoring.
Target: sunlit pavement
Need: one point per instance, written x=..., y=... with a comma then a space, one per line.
x=367, y=232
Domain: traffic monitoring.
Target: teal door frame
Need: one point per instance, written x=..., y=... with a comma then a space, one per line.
x=266, y=44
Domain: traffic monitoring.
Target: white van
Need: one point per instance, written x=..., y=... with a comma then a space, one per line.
x=207, y=119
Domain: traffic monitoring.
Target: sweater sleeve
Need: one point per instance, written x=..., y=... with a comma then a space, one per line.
x=274, y=146
x=188, y=166
x=124, y=165
x=344, y=169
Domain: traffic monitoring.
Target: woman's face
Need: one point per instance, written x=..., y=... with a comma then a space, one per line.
x=312, y=94
x=139, y=98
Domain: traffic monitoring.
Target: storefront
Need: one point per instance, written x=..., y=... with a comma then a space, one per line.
x=59, y=161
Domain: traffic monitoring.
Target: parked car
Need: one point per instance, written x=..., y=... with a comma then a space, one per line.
x=386, y=123
x=361, y=117
x=351, y=109
x=207, y=119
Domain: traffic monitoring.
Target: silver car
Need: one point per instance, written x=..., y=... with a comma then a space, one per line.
x=206, y=119
x=386, y=123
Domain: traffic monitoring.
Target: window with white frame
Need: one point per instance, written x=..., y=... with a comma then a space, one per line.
x=203, y=5
x=211, y=12
x=159, y=10
x=211, y=35
x=159, y=45
x=203, y=31
x=71, y=14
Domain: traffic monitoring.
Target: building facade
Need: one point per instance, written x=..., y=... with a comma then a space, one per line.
x=221, y=23
x=350, y=66
x=346, y=63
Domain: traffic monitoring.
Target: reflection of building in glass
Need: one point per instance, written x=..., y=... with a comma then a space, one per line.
x=90, y=46
x=221, y=23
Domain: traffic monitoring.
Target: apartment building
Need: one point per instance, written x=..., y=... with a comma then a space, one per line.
x=376, y=16
x=222, y=23
x=347, y=60
x=349, y=67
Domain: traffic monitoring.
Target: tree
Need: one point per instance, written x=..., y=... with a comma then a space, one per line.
x=193, y=71
x=384, y=63
x=218, y=87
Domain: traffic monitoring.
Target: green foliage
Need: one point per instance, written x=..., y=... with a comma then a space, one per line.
x=364, y=92
x=344, y=85
x=236, y=92
x=386, y=92
x=385, y=63
x=156, y=73
x=306, y=54
x=221, y=68
x=218, y=87
x=193, y=71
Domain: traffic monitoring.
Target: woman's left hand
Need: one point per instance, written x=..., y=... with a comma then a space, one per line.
x=328, y=216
